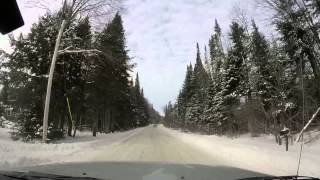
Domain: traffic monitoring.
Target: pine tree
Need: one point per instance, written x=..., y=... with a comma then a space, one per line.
x=28, y=68
x=169, y=115
x=78, y=71
x=88, y=88
x=216, y=50
x=195, y=107
x=113, y=72
x=140, y=104
x=236, y=59
x=212, y=114
x=185, y=95
x=296, y=26
x=233, y=81
x=256, y=80
x=264, y=82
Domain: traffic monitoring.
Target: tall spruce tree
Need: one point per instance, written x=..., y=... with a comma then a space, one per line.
x=264, y=82
x=216, y=50
x=234, y=79
x=140, y=104
x=112, y=42
x=199, y=81
x=185, y=95
x=212, y=113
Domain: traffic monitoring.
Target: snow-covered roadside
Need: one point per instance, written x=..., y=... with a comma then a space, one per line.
x=82, y=148
x=259, y=154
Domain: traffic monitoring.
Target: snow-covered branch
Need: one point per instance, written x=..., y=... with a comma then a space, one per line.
x=67, y=48
x=307, y=125
x=85, y=51
x=66, y=51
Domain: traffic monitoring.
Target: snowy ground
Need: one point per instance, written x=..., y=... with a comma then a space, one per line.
x=19, y=154
x=259, y=154
x=165, y=145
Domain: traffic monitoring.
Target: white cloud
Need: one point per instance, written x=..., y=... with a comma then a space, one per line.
x=163, y=35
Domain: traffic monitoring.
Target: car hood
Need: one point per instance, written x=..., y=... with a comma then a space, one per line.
x=143, y=171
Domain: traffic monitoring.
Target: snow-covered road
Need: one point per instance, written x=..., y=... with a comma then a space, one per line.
x=155, y=144
x=148, y=144
x=162, y=145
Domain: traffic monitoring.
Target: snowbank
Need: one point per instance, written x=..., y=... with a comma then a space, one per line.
x=260, y=154
x=4, y=123
x=82, y=148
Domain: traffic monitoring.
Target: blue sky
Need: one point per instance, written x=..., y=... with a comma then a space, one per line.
x=162, y=35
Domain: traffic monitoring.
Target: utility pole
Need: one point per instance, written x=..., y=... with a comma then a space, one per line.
x=71, y=9
x=49, y=85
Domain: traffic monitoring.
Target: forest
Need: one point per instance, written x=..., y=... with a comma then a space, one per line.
x=91, y=90
x=250, y=83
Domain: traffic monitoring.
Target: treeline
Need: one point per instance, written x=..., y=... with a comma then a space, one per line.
x=91, y=89
x=255, y=85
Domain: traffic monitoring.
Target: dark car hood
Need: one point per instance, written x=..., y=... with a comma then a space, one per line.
x=143, y=171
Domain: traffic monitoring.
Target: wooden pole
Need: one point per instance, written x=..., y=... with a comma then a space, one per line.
x=49, y=85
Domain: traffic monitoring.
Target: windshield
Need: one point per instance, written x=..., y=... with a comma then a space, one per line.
x=226, y=88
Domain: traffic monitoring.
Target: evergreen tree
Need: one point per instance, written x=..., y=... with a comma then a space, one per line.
x=140, y=104
x=199, y=81
x=185, y=95
x=235, y=64
x=216, y=50
x=264, y=82
x=115, y=87
x=212, y=115
x=296, y=26
x=169, y=115
x=28, y=66
x=88, y=89
x=256, y=80
x=233, y=81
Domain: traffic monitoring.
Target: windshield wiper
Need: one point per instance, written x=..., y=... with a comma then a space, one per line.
x=4, y=175
x=281, y=178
